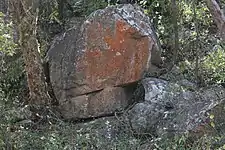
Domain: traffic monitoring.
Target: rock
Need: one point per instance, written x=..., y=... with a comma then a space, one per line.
x=143, y=118
x=106, y=101
x=111, y=48
x=170, y=108
x=74, y=22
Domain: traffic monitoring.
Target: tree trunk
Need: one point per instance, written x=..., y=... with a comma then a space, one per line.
x=196, y=43
x=218, y=16
x=25, y=16
x=174, y=15
x=61, y=10
x=175, y=29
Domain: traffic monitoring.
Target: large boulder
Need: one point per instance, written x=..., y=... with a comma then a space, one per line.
x=170, y=108
x=111, y=48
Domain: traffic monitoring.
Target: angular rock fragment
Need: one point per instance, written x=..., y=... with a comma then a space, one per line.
x=170, y=108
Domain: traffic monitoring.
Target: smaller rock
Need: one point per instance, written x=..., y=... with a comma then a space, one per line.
x=170, y=108
x=140, y=116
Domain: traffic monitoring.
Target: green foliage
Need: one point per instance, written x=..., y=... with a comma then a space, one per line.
x=64, y=135
x=196, y=32
x=184, y=142
x=85, y=7
x=12, y=77
x=160, y=12
x=213, y=66
x=7, y=45
x=7, y=118
x=11, y=64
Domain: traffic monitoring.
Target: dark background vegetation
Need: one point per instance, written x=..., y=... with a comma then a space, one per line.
x=188, y=38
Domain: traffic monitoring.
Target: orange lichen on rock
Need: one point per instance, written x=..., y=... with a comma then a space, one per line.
x=95, y=65
x=122, y=61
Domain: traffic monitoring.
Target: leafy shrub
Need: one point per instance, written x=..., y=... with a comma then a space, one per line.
x=213, y=66
x=12, y=77
x=11, y=65
x=184, y=142
x=7, y=45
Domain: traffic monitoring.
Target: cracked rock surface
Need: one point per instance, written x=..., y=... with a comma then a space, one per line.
x=110, y=49
x=171, y=108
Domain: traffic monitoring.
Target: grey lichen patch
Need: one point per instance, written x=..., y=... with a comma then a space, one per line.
x=171, y=108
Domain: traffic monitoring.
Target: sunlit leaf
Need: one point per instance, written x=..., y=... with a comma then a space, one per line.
x=211, y=116
x=212, y=124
